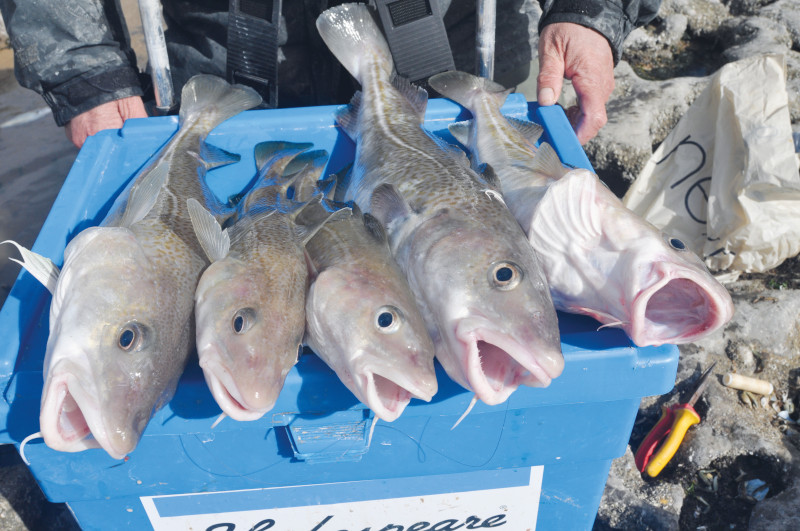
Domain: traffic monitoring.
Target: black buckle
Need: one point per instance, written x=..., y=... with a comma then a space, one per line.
x=253, y=46
x=417, y=38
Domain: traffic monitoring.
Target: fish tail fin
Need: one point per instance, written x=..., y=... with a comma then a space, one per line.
x=341, y=182
x=308, y=162
x=302, y=175
x=462, y=87
x=276, y=155
x=312, y=216
x=351, y=34
x=215, y=100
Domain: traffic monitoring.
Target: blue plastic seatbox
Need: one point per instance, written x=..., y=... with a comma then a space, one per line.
x=540, y=460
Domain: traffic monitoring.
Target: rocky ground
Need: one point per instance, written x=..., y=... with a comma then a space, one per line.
x=739, y=468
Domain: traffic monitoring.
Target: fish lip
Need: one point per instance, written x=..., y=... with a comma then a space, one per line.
x=642, y=334
x=372, y=387
x=380, y=404
x=530, y=373
x=227, y=394
x=61, y=389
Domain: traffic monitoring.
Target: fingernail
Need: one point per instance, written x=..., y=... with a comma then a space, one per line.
x=546, y=96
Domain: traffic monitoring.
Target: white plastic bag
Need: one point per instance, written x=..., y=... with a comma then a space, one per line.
x=725, y=180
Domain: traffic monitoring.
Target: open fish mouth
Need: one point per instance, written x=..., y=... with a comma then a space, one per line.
x=677, y=309
x=496, y=364
x=383, y=396
x=71, y=421
x=388, y=397
x=227, y=394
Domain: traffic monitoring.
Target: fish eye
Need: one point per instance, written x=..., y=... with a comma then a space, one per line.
x=388, y=319
x=504, y=275
x=243, y=320
x=131, y=337
x=676, y=244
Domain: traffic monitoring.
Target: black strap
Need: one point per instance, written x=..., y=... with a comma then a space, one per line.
x=253, y=46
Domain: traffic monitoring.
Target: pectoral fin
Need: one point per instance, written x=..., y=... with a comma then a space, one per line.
x=215, y=242
x=43, y=269
x=144, y=194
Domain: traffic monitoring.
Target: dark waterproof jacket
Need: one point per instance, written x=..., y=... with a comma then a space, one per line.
x=76, y=53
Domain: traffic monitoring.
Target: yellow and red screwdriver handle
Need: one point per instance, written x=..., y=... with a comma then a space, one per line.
x=675, y=421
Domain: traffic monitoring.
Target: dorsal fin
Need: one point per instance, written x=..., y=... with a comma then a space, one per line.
x=215, y=242
x=454, y=151
x=461, y=131
x=530, y=130
x=42, y=268
x=347, y=117
x=416, y=96
x=248, y=223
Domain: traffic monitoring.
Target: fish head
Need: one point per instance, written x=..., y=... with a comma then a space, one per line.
x=107, y=367
x=366, y=325
x=250, y=323
x=483, y=287
x=672, y=296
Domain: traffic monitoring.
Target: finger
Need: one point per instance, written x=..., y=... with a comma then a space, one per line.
x=104, y=116
x=592, y=105
x=551, y=68
x=75, y=137
x=131, y=107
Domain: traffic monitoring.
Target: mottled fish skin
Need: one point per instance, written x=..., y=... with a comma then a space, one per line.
x=121, y=320
x=474, y=275
x=362, y=319
x=250, y=303
x=600, y=258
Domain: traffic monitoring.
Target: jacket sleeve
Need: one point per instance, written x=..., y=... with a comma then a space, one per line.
x=75, y=53
x=614, y=19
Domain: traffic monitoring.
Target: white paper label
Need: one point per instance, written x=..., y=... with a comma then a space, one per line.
x=487, y=499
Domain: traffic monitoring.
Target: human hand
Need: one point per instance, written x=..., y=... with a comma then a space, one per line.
x=584, y=56
x=109, y=115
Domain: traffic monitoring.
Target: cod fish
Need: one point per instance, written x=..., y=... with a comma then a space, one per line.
x=250, y=302
x=478, y=283
x=362, y=319
x=121, y=318
x=600, y=258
